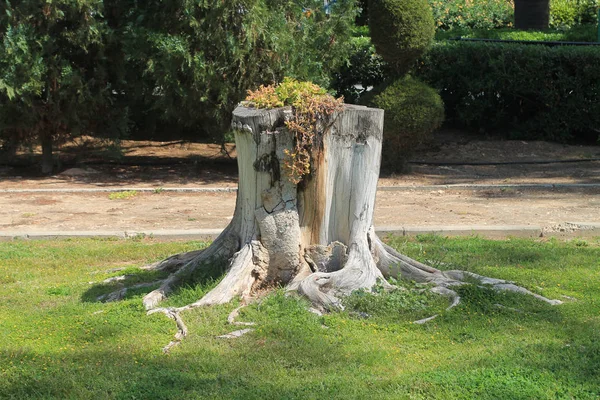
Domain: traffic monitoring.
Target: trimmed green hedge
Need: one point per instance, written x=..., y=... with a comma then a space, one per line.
x=527, y=91
x=579, y=33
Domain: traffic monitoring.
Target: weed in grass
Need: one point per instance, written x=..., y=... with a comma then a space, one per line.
x=158, y=190
x=580, y=242
x=59, y=291
x=138, y=236
x=124, y=195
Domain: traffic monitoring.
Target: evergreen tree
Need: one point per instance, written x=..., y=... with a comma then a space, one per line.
x=72, y=67
x=56, y=78
x=190, y=62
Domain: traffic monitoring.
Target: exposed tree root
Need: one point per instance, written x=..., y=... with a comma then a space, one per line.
x=182, y=330
x=173, y=263
x=244, y=270
x=185, y=264
x=364, y=266
x=235, y=334
x=392, y=263
x=234, y=314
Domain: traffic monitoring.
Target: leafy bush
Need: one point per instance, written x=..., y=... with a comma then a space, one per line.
x=103, y=66
x=413, y=111
x=477, y=14
x=530, y=92
x=401, y=31
x=363, y=70
x=568, y=13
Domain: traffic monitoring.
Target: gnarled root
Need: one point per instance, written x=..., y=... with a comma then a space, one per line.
x=120, y=293
x=247, y=267
x=185, y=264
x=392, y=263
x=325, y=289
x=182, y=330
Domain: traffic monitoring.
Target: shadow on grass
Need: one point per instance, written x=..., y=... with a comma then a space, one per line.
x=296, y=367
x=204, y=276
x=204, y=374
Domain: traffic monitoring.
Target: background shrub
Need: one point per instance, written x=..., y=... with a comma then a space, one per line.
x=190, y=63
x=493, y=14
x=528, y=91
x=568, y=13
x=413, y=111
x=478, y=14
x=363, y=70
x=102, y=67
x=578, y=33
x=401, y=31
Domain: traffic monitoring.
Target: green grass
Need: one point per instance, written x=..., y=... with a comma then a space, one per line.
x=57, y=341
x=580, y=33
x=124, y=195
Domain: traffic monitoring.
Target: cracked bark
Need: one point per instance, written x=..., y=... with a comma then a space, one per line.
x=317, y=237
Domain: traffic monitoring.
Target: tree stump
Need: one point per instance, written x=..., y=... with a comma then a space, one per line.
x=315, y=237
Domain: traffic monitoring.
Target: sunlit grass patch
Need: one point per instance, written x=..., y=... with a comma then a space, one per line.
x=58, y=341
x=124, y=195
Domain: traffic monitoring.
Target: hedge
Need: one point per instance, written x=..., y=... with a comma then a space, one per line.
x=528, y=91
x=579, y=33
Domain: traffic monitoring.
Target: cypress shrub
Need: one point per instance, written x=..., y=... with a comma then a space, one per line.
x=401, y=31
x=190, y=63
x=101, y=67
x=413, y=111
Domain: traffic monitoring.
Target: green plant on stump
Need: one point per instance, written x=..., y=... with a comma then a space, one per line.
x=401, y=31
x=311, y=106
x=412, y=111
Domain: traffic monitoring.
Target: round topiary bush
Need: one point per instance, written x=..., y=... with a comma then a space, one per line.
x=413, y=111
x=401, y=30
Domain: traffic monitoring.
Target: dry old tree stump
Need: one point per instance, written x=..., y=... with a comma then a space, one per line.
x=315, y=237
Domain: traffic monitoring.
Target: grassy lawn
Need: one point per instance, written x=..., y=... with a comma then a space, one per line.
x=57, y=341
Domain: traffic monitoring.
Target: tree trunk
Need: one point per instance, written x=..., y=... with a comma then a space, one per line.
x=47, y=158
x=532, y=14
x=315, y=237
x=10, y=145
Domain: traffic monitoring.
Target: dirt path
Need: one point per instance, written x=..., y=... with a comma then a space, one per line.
x=168, y=165
x=147, y=211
